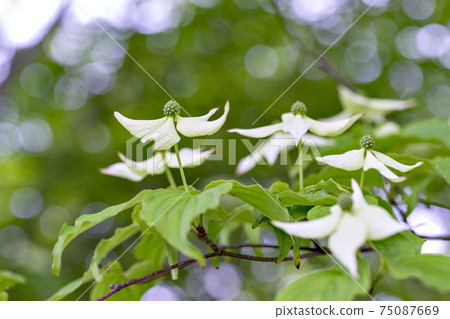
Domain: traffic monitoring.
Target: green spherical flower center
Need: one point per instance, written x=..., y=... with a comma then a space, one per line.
x=345, y=201
x=172, y=108
x=298, y=108
x=367, y=142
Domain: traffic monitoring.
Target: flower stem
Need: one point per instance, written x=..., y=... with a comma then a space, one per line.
x=300, y=166
x=361, y=183
x=186, y=188
x=170, y=177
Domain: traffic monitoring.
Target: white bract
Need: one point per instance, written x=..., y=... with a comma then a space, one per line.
x=297, y=124
x=273, y=146
x=163, y=132
x=375, y=109
x=366, y=158
x=349, y=225
x=155, y=165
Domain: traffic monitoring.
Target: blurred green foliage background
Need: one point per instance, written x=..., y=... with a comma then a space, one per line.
x=60, y=90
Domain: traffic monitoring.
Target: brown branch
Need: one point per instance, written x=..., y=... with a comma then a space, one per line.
x=236, y=246
x=218, y=251
x=115, y=288
x=204, y=236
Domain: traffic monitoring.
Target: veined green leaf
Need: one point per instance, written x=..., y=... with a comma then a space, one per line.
x=151, y=247
x=84, y=222
x=257, y=197
x=319, y=197
x=323, y=193
x=106, y=245
x=432, y=270
x=394, y=247
x=328, y=285
x=172, y=211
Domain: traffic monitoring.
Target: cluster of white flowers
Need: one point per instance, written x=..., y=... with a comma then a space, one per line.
x=366, y=158
x=350, y=223
x=164, y=133
x=155, y=165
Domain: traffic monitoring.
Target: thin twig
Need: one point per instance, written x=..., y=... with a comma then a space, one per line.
x=204, y=236
x=115, y=288
x=237, y=246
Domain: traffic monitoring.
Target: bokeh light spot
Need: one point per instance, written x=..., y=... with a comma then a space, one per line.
x=26, y=203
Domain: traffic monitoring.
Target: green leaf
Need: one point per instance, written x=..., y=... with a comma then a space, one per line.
x=258, y=197
x=343, y=177
x=71, y=287
x=279, y=187
x=394, y=247
x=284, y=242
x=151, y=247
x=106, y=245
x=429, y=129
x=214, y=226
x=328, y=285
x=296, y=252
x=172, y=258
x=9, y=279
x=115, y=275
x=323, y=193
x=413, y=199
x=319, y=197
x=432, y=270
x=172, y=211
x=442, y=165
x=254, y=236
x=84, y=222
x=330, y=186
x=318, y=212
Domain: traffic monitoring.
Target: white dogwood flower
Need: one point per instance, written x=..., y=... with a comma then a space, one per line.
x=155, y=165
x=375, y=109
x=273, y=146
x=163, y=132
x=297, y=124
x=366, y=158
x=349, y=225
